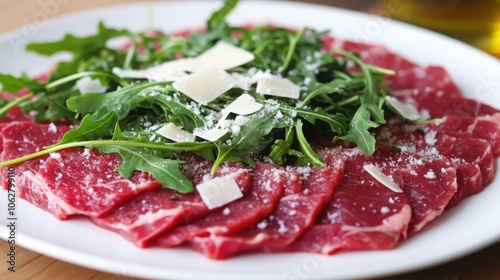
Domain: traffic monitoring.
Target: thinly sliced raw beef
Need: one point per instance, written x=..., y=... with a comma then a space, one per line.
x=72, y=181
x=475, y=167
x=152, y=213
x=373, y=54
x=23, y=138
x=265, y=193
x=84, y=181
x=429, y=183
x=467, y=160
x=484, y=127
x=295, y=213
x=437, y=104
x=424, y=77
x=15, y=114
x=363, y=213
x=408, y=74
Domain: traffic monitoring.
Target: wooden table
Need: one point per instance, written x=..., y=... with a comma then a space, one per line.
x=484, y=264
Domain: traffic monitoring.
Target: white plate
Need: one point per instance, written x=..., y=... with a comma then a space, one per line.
x=466, y=228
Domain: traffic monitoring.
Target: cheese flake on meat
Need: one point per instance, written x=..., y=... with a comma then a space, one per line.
x=406, y=110
x=382, y=178
x=219, y=191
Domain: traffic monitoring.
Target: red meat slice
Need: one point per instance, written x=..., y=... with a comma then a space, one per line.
x=84, y=181
x=408, y=74
x=266, y=191
x=421, y=78
x=23, y=138
x=475, y=167
x=15, y=114
x=468, y=155
x=429, y=184
x=484, y=127
x=72, y=181
x=295, y=213
x=152, y=213
x=363, y=213
x=437, y=105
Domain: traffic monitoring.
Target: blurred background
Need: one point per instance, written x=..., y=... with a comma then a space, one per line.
x=476, y=22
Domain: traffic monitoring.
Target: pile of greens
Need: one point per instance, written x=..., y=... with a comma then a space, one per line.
x=341, y=98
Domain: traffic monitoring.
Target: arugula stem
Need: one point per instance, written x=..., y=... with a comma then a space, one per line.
x=130, y=55
x=306, y=148
x=77, y=76
x=303, y=112
x=15, y=102
x=291, y=50
x=341, y=75
x=347, y=101
x=97, y=143
x=380, y=70
x=342, y=103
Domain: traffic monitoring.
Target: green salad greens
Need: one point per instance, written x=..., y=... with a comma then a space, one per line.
x=341, y=98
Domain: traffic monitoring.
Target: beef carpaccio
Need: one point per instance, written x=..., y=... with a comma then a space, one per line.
x=421, y=171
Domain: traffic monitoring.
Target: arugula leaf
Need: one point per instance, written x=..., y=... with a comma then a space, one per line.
x=90, y=129
x=337, y=123
x=337, y=100
x=51, y=107
x=371, y=107
x=280, y=148
x=359, y=130
x=166, y=171
x=333, y=87
x=13, y=84
x=176, y=111
x=89, y=52
x=3, y=103
x=252, y=139
x=121, y=101
x=218, y=17
x=78, y=45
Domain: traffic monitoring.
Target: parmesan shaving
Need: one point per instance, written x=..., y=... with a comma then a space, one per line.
x=205, y=85
x=174, y=133
x=276, y=86
x=405, y=110
x=382, y=178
